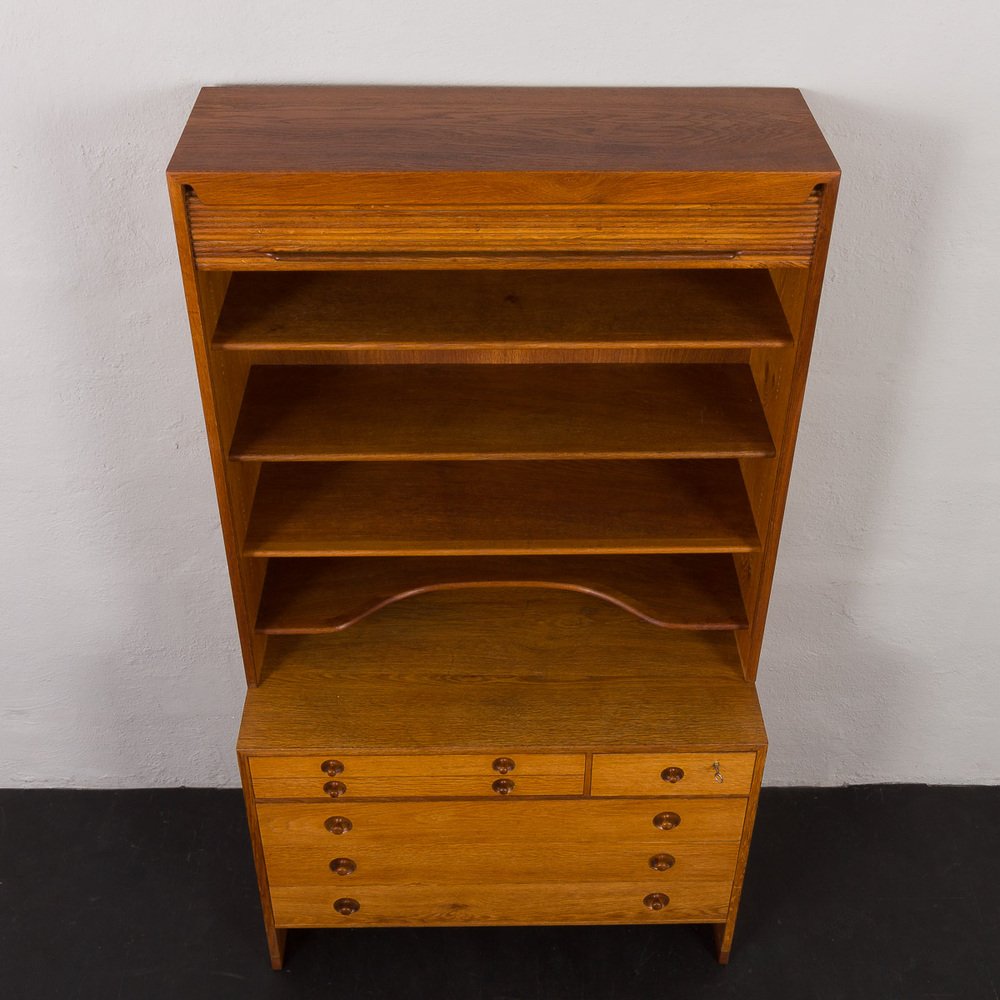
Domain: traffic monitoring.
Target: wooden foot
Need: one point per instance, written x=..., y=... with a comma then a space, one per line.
x=276, y=938
x=724, y=931
x=723, y=941
x=275, y=935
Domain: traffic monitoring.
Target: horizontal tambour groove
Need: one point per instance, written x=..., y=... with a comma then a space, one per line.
x=433, y=412
x=500, y=508
x=224, y=232
x=313, y=596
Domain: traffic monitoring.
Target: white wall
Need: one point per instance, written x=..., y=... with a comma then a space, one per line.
x=118, y=659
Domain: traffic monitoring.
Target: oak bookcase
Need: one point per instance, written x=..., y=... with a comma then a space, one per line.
x=501, y=388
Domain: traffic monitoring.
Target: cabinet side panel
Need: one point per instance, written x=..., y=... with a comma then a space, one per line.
x=221, y=381
x=724, y=932
x=781, y=379
x=275, y=935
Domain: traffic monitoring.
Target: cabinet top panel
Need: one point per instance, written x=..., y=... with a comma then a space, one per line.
x=393, y=130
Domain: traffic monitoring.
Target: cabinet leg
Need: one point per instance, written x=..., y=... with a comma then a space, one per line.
x=723, y=934
x=276, y=937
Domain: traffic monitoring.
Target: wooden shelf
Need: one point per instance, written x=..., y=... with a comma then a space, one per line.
x=489, y=310
x=535, y=670
x=499, y=508
x=311, y=596
x=352, y=412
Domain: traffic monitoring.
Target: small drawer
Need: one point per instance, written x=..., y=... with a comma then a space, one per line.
x=672, y=774
x=437, y=905
x=501, y=775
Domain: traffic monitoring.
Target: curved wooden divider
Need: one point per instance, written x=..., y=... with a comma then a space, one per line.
x=310, y=596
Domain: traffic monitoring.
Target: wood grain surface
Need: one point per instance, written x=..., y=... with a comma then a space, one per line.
x=373, y=130
x=221, y=384
x=404, y=863
x=502, y=237
x=529, y=671
x=469, y=412
x=508, y=824
x=424, y=775
x=303, y=596
x=723, y=932
x=641, y=774
x=554, y=902
x=420, y=849
x=299, y=850
x=276, y=937
x=527, y=310
x=499, y=508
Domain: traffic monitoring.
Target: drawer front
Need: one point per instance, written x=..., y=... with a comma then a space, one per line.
x=459, y=775
x=432, y=904
x=511, y=826
x=343, y=861
x=296, y=237
x=672, y=774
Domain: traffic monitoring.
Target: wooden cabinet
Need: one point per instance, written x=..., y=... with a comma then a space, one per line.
x=501, y=389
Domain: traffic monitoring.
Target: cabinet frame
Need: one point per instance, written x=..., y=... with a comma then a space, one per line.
x=521, y=200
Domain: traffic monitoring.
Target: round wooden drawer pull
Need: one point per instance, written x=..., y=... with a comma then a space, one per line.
x=672, y=774
x=656, y=901
x=666, y=821
x=503, y=765
x=342, y=866
x=335, y=789
x=346, y=906
x=338, y=825
x=503, y=786
x=332, y=768
x=661, y=862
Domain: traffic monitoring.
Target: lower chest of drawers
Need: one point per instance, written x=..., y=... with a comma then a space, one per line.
x=571, y=841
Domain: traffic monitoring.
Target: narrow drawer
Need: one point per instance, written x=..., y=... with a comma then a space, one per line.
x=424, y=776
x=672, y=774
x=555, y=902
x=508, y=826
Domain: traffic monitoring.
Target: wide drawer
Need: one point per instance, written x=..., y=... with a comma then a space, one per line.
x=544, y=903
x=504, y=825
x=342, y=861
x=239, y=237
x=672, y=774
x=352, y=777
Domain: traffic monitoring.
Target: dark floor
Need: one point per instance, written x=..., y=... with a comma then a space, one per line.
x=855, y=893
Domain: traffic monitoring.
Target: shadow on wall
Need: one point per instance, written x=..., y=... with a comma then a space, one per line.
x=136, y=678
x=843, y=704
